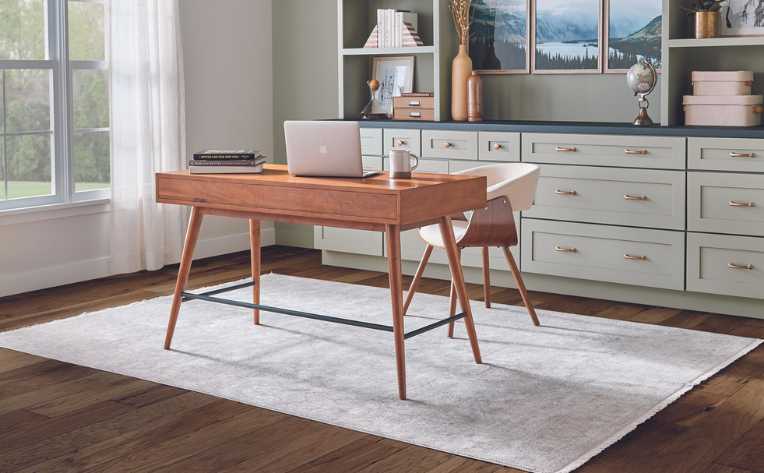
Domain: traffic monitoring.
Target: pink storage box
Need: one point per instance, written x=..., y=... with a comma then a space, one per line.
x=722, y=82
x=744, y=110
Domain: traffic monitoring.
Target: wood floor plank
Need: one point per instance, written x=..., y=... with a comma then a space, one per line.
x=355, y=456
x=747, y=452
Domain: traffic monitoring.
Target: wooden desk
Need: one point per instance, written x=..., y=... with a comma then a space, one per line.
x=369, y=204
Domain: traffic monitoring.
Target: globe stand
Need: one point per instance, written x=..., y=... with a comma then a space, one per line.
x=643, y=119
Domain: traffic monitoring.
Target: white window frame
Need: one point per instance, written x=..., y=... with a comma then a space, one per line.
x=62, y=130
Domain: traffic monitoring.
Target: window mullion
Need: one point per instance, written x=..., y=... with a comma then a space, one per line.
x=63, y=165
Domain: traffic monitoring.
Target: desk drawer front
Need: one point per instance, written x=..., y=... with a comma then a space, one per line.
x=499, y=146
x=631, y=197
x=449, y=144
x=726, y=154
x=409, y=139
x=727, y=265
x=600, y=150
x=652, y=258
x=371, y=141
x=726, y=203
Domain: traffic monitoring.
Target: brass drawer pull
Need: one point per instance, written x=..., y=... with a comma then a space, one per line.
x=400, y=142
x=415, y=103
x=738, y=203
x=742, y=267
x=629, y=257
x=565, y=193
x=415, y=114
x=632, y=152
x=565, y=249
x=635, y=197
x=566, y=149
x=498, y=146
x=448, y=145
x=734, y=154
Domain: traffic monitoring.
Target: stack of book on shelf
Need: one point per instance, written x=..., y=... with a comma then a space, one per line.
x=227, y=162
x=395, y=29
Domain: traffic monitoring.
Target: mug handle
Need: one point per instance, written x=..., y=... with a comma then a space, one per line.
x=416, y=161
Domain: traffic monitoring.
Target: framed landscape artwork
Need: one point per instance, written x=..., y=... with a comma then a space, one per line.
x=632, y=30
x=743, y=18
x=499, y=36
x=567, y=36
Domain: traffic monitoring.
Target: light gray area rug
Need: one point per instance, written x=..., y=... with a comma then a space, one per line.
x=546, y=400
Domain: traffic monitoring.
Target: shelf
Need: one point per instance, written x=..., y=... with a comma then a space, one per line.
x=387, y=51
x=717, y=42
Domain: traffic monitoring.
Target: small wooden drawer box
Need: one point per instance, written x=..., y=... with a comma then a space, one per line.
x=414, y=114
x=427, y=103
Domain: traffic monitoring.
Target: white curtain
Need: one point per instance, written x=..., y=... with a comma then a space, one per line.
x=148, y=131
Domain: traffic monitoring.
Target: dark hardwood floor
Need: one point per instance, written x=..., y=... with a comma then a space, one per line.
x=56, y=417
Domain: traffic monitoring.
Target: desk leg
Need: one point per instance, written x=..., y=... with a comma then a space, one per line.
x=457, y=276
x=254, y=239
x=192, y=234
x=396, y=296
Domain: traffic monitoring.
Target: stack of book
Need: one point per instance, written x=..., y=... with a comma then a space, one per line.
x=227, y=162
x=395, y=29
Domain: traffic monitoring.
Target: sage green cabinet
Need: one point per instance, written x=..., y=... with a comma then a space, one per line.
x=498, y=146
x=726, y=265
x=403, y=138
x=371, y=141
x=725, y=203
x=450, y=144
x=725, y=154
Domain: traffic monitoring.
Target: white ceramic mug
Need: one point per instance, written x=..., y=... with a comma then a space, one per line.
x=400, y=163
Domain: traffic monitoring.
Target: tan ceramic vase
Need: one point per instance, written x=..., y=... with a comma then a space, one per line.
x=461, y=69
x=474, y=98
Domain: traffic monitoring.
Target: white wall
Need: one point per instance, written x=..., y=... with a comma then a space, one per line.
x=229, y=86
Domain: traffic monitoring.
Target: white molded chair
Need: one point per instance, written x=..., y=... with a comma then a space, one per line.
x=511, y=187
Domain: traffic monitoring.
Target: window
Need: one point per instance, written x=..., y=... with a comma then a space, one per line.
x=54, y=102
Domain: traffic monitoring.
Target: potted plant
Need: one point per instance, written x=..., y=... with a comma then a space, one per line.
x=707, y=17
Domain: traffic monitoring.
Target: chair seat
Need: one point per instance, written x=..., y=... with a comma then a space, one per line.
x=431, y=233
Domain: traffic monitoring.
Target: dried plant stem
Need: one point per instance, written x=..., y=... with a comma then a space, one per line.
x=460, y=13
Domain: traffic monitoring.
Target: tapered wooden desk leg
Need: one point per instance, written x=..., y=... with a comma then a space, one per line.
x=417, y=278
x=396, y=296
x=521, y=286
x=254, y=241
x=451, y=310
x=457, y=276
x=192, y=234
x=486, y=278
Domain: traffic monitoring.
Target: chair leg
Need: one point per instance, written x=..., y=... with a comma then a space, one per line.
x=486, y=278
x=521, y=286
x=417, y=278
x=452, y=310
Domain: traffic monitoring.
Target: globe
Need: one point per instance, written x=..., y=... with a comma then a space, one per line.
x=642, y=78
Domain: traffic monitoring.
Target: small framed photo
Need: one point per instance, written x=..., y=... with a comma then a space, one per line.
x=396, y=76
x=632, y=31
x=500, y=36
x=743, y=18
x=566, y=37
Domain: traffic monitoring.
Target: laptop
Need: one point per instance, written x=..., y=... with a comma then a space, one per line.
x=324, y=149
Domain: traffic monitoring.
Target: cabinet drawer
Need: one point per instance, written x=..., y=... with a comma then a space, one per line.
x=414, y=102
x=728, y=265
x=449, y=144
x=408, y=139
x=351, y=241
x=423, y=114
x=499, y=146
x=426, y=165
x=726, y=154
x=725, y=203
x=603, y=150
x=372, y=163
x=632, y=197
x=371, y=141
x=652, y=258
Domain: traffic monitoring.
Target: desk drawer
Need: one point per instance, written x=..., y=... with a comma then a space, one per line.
x=371, y=141
x=449, y=144
x=726, y=154
x=652, y=258
x=725, y=203
x=499, y=146
x=604, y=150
x=409, y=139
x=727, y=265
x=632, y=197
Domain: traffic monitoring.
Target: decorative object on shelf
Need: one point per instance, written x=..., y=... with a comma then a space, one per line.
x=642, y=79
x=367, y=112
x=567, y=36
x=395, y=75
x=499, y=36
x=707, y=18
x=400, y=163
x=414, y=106
x=743, y=18
x=474, y=98
x=632, y=30
x=395, y=29
x=461, y=67
x=722, y=98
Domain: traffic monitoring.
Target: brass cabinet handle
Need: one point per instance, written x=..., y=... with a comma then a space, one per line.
x=565, y=193
x=631, y=152
x=738, y=203
x=415, y=114
x=566, y=149
x=629, y=257
x=498, y=146
x=565, y=249
x=415, y=103
x=635, y=197
x=448, y=145
x=401, y=142
x=742, y=267
x=735, y=154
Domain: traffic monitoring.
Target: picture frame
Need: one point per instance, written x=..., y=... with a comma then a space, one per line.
x=498, y=29
x=743, y=18
x=632, y=28
x=569, y=52
x=395, y=75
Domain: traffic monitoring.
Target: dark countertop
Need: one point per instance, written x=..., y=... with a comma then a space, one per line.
x=596, y=128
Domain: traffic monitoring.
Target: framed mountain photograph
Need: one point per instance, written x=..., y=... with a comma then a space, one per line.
x=567, y=36
x=499, y=36
x=632, y=30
